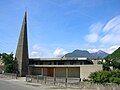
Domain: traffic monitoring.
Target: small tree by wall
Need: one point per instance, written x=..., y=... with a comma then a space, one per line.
x=9, y=62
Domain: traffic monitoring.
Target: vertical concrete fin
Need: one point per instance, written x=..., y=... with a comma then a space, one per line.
x=22, y=50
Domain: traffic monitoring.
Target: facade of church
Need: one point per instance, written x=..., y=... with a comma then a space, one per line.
x=53, y=67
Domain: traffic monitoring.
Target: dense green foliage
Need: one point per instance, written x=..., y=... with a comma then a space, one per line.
x=115, y=55
x=110, y=63
x=113, y=59
x=9, y=62
x=105, y=77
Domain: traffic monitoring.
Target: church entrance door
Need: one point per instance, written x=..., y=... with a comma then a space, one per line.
x=50, y=72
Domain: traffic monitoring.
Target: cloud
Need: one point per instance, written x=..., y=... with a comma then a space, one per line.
x=59, y=52
x=105, y=33
x=111, y=31
x=36, y=54
x=93, y=50
x=111, y=49
x=93, y=36
x=112, y=24
x=96, y=27
x=36, y=47
x=110, y=38
x=39, y=51
x=107, y=50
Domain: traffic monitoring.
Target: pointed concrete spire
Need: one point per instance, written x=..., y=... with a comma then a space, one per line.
x=22, y=50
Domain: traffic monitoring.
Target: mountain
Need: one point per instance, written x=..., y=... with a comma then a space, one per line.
x=84, y=53
x=78, y=53
x=114, y=55
x=100, y=54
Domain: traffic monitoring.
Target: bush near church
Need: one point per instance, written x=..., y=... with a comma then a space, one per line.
x=103, y=77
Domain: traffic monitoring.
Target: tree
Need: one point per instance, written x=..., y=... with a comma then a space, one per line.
x=9, y=62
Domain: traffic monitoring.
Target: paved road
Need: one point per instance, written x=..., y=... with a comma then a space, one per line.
x=14, y=84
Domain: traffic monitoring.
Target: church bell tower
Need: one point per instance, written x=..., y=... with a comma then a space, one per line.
x=21, y=56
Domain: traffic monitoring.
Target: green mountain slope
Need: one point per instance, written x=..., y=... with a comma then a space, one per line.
x=114, y=55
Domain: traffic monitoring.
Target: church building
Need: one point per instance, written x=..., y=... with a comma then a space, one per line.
x=53, y=67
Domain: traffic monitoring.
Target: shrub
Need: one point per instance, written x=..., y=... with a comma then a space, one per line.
x=105, y=77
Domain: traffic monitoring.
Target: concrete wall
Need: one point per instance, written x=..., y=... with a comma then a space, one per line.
x=1, y=67
x=44, y=71
x=30, y=71
x=0, y=70
x=36, y=71
x=82, y=71
x=85, y=70
x=60, y=72
x=74, y=72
